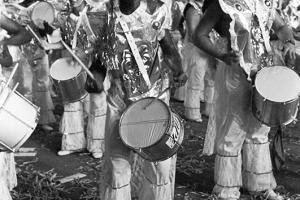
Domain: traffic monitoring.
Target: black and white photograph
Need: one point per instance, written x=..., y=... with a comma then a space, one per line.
x=149, y=99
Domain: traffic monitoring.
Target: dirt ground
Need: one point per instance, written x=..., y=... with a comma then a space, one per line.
x=40, y=176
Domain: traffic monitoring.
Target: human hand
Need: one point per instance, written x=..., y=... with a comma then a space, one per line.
x=45, y=45
x=289, y=53
x=180, y=78
x=231, y=58
x=96, y=85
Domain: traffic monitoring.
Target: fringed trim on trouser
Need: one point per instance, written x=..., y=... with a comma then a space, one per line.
x=257, y=167
x=154, y=191
x=95, y=133
x=228, y=176
x=73, y=141
x=192, y=103
x=111, y=193
x=72, y=119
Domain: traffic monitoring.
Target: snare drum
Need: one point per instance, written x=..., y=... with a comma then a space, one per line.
x=151, y=129
x=42, y=11
x=276, y=96
x=70, y=79
x=18, y=119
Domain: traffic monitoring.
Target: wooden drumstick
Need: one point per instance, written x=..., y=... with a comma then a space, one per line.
x=78, y=60
x=11, y=75
x=34, y=34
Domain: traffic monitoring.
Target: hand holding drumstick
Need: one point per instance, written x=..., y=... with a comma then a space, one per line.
x=45, y=45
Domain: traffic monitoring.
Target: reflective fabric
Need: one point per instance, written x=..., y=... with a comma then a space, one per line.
x=147, y=30
x=249, y=31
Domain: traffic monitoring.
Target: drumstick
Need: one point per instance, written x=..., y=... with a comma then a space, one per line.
x=78, y=60
x=155, y=98
x=34, y=34
x=11, y=75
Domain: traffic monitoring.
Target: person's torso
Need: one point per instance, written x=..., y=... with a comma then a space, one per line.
x=249, y=29
x=146, y=29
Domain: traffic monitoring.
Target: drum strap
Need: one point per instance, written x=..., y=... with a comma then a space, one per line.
x=134, y=49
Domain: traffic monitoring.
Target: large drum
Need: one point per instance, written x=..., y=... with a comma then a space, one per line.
x=42, y=12
x=18, y=118
x=151, y=129
x=70, y=79
x=276, y=96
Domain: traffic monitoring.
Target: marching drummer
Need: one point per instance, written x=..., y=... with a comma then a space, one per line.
x=232, y=126
x=37, y=58
x=70, y=20
x=149, y=22
x=18, y=35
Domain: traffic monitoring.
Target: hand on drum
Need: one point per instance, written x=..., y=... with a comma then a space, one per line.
x=289, y=53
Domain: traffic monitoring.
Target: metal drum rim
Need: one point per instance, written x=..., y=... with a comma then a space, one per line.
x=131, y=105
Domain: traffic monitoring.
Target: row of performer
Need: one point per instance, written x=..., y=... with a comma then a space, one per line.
x=113, y=64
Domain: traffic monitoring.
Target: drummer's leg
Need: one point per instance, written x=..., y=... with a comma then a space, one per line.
x=257, y=166
x=116, y=167
x=96, y=124
x=72, y=128
x=8, y=176
x=42, y=97
x=158, y=182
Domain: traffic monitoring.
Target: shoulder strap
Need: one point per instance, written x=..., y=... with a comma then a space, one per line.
x=134, y=50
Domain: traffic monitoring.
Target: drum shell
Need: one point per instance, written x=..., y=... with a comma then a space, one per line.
x=168, y=145
x=73, y=89
x=18, y=119
x=274, y=113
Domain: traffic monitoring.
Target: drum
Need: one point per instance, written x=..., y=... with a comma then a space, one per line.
x=42, y=11
x=276, y=96
x=151, y=129
x=70, y=79
x=18, y=119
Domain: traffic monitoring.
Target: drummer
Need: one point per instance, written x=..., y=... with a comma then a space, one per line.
x=73, y=33
x=38, y=60
x=18, y=36
x=232, y=128
x=150, y=23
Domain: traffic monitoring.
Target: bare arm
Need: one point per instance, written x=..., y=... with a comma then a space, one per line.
x=285, y=34
x=171, y=54
x=201, y=35
x=201, y=39
x=5, y=58
x=18, y=34
x=192, y=18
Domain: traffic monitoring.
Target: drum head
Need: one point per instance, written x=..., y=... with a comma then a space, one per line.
x=278, y=84
x=142, y=127
x=64, y=69
x=42, y=11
